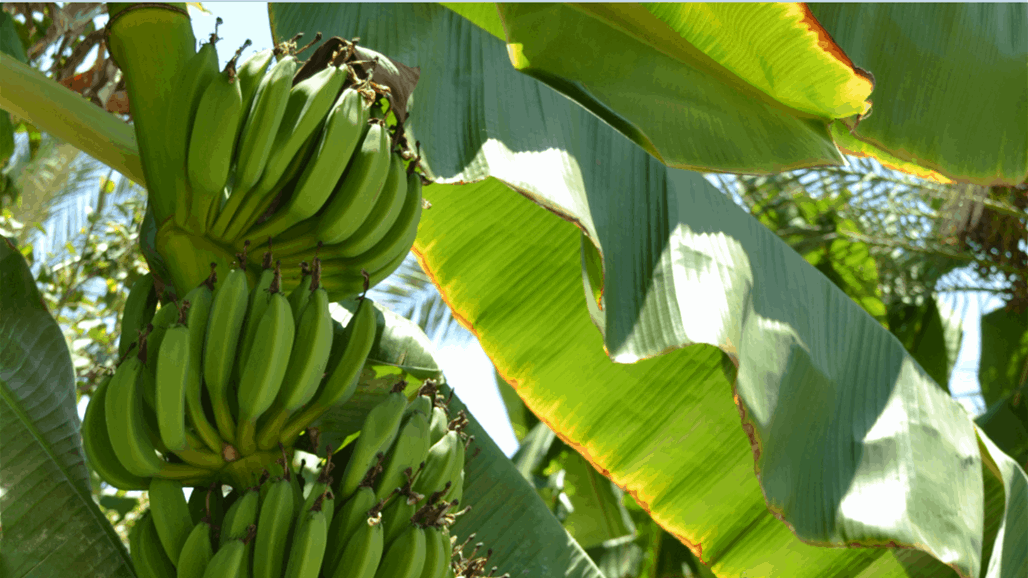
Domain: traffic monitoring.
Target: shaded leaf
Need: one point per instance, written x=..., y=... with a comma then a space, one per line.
x=51, y=526
x=953, y=102
x=1003, y=367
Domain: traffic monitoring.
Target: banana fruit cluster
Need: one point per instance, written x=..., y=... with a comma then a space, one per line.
x=276, y=152
x=215, y=382
x=386, y=516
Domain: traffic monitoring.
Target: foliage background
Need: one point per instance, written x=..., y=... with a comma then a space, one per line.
x=77, y=223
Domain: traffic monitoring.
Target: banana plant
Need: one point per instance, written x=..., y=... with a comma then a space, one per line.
x=763, y=419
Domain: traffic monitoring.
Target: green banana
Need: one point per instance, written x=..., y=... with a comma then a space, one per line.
x=309, y=102
x=443, y=464
x=396, y=517
x=240, y=516
x=197, y=552
x=258, y=303
x=309, y=542
x=343, y=131
x=405, y=556
x=175, y=365
x=320, y=490
x=347, y=284
x=438, y=552
x=147, y=555
x=228, y=561
x=307, y=363
x=170, y=515
x=342, y=381
x=438, y=426
x=261, y=126
x=266, y=367
x=123, y=407
x=421, y=404
x=355, y=195
x=397, y=241
x=200, y=300
x=228, y=312
x=97, y=444
x=377, y=434
x=410, y=450
x=139, y=309
x=165, y=317
x=383, y=215
x=352, y=513
x=213, y=139
x=188, y=89
x=301, y=294
x=274, y=526
x=250, y=73
x=362, y=553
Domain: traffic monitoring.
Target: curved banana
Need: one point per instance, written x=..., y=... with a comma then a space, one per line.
x=421, y=404
x=441, y=465
x=344, y=130
x=196, y=552
x=362, y=553
x=301, y=294
x=147, y=555
x=266, y=367
x=405, y=556
x=410, y=449
x=228, y=312
x=355, y=195
x=97, y=443
x=438, y=426
x=320, y=491
x=377, y=434
x=262, y=122
x=228, y=561
x=307, y=363
x=170, y=515
x=396, y=517
x=438, y=552
x=139, y=310
x=200, y=300
x=309, y=102
x=165, y=317
x=309, y=542
x=397, y=241
x=250, y=73
x=124, y=414
x=175, y=366
x=258, y=303
x=342, y=381
x=213, y=139
x=383, y=215
x=352, y=513
x=273, y=528
x=188, y=88
x=349, y=284
x=239, y=517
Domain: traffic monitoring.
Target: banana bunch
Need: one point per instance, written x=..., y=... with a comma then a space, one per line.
x=303, y=158
x=282, y=527
x=217, y=381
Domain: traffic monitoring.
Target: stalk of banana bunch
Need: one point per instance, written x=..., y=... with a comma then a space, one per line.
x=277, y=149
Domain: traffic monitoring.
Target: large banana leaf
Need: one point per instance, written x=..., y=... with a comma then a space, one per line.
x=753, y=85
x=951, y=85
x=854, y=445
x=51, y=526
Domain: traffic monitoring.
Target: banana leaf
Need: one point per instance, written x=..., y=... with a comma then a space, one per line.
x=51, y=525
